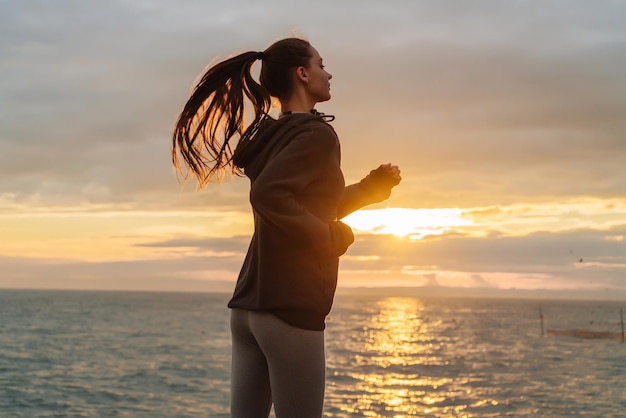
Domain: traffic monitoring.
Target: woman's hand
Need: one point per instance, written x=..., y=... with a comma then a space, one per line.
x=393, y=171
x=379, y=182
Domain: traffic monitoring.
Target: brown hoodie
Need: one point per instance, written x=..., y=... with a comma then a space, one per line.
x=297, y=192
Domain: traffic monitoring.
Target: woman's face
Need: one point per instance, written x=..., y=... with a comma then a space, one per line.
x=318, y=86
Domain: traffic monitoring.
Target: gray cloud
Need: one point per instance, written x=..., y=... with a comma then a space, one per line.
x=237, y=244
x=189, y=274
x=491, y=98
x=497, y=101
x=552, y=254
x=480, y=103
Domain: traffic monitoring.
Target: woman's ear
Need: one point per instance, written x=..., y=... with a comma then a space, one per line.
x=302, y=75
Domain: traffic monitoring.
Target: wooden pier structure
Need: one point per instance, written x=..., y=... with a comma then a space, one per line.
x=584, y=333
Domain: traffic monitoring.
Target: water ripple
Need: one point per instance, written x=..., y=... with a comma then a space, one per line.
x=108, y=354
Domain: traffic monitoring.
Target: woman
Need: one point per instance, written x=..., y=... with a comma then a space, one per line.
x=287, y=283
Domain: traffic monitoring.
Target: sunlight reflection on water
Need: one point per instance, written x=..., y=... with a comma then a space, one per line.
x=397, y=339
x=397, y=362
x=406, y=356
x=112, y=354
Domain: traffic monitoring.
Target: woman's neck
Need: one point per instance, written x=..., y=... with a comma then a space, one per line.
x=297, y=103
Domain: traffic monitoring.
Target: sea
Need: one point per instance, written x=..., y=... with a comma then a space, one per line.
x=149, y=354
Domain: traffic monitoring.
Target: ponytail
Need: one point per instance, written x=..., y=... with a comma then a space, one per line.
x=213, y=115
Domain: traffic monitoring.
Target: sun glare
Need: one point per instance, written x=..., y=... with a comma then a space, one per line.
x=402, y=222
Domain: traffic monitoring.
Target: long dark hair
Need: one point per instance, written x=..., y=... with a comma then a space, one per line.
x=214, y=113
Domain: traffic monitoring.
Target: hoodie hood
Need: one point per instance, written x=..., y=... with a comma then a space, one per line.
x=272, y=136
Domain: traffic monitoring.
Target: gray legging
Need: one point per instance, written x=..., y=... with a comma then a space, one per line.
x=275, y=362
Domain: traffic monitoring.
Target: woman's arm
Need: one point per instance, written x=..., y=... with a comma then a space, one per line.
x=375, y=187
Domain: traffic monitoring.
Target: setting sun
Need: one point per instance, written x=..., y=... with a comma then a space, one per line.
x=401, y=222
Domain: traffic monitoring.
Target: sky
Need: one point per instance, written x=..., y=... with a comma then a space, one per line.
x=505, y=117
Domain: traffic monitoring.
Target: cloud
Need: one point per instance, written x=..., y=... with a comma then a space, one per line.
x=479, y=281
x=489, y=111
x=472, y=102
x=430, y=280
x=545, y=254
x=188, y=274
x=539, y=261
x=237, y=244
x=482, y=105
